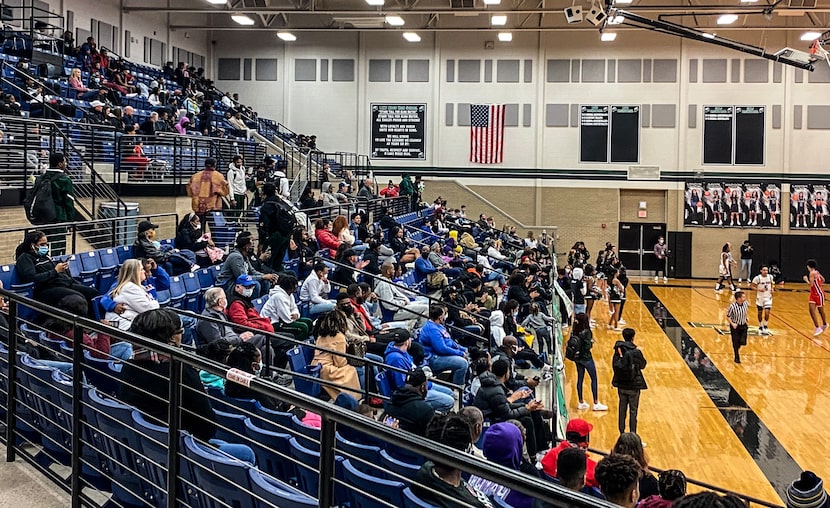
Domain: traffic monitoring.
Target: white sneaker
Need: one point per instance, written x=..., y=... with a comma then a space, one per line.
x=622, y=322
x=600, y=407
x=740, y=280
x=656, y=279
x=665, y=279
x=817, y=332
x=582, y=406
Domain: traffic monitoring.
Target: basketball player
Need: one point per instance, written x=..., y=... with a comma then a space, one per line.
x=725, y=267
x=763, y=284
x=814, y=279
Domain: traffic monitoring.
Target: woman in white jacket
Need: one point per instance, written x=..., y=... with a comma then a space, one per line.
x=131, y=293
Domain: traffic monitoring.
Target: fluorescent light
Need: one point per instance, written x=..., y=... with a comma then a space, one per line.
x=217, y=2
x=727, y=19
x=394, y=20
x=242, y=19
x=498, y=20
x=287, y=36
x=620, y=2
x=412, y=37
x=618, y=19
x=708, y=35
x=505, y=36
x=375, y=2
x=810, y=36
x=749, y=1
x=492, y=2
x=608, y=36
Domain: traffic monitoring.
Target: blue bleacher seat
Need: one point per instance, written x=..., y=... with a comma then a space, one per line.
x=124, y=252
x=230, y=426
x=410, y=500
x=259, y=303
x=103, y=374
x=501, y=503
x=98, y=308
x=207, y=276
x=223, y=477
x=276, y=493
x=404, y=470
x=39, y=394
x=193, y=293
x=31, y=332
x=89, y=268
x=272, y=450
x=364, y=457
x=368, y=491
x=308, y=462
x=163, y=297
x=383, y=382
x=7, y=275
x=299, y=364
x=177, y=292
x=276, y=421
x=222, y=232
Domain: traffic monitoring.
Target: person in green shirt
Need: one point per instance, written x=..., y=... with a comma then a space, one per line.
x=63, y=195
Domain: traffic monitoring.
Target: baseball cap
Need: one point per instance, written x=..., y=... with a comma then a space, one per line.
x=95, y=104
x=245, y=280
x=580, y=427
x=146, y=225
x=416, y=377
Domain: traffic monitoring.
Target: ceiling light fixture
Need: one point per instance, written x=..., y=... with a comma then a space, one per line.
x=287, y=36
x=608, y=36
x=727, y=19
x=394, y=20
x=617, y=19
x=505, y=36
x=810, y=36
x=412, y=37
x=375, y=2
x=492, y=2
x=749, y=1
x=709, y=36
x=498, y=20
x=217, y=2
x=242, y=19
x=621, y=2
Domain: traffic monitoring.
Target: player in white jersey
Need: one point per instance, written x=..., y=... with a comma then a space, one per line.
x=764, y=285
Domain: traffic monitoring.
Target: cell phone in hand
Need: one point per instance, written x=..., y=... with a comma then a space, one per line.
x=389, y=420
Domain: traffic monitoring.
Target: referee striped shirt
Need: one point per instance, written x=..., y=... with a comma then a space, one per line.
x=737, y=312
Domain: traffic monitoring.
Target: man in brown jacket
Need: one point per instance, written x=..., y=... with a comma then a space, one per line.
x=206, y=190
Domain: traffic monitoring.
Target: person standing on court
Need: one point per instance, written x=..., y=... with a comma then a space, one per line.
x=736, y=315
x=764, y=285
x=725, y=268
x=814, y=279
x=628, y=364
x=660, y=252
x=746, y=262
x=206, y=190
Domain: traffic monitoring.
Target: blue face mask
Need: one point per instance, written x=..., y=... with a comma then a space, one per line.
x=257, y=368
x=43, y=250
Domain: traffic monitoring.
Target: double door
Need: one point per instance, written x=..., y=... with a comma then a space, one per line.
x=636, y=245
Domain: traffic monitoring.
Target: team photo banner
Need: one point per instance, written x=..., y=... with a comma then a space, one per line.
x=808, y=206
x=732, y=204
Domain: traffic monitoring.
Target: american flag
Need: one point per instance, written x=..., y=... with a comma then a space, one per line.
x=487, y=133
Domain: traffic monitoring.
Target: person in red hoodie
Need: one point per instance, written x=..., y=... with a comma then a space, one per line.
x=577, y=435
x=325, y=238
x=241, y=310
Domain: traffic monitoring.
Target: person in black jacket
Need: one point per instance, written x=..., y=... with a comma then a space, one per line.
x=499, y=404
x=628, y=365
x=274, y=228
x=145, y=383
x=52, y=281
x=409, y=406
x=189, y=236
x=247, y=358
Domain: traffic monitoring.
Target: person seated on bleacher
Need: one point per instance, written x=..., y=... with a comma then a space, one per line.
x=241, y=310
x=182, y=125
x=52, y=281
x=441, y=351
x=217, y=351
x=82, y=92
x=302, y=248
x=372, y=256
x=67, y=44
x=400, y=245
x=357, y=228
x=408, y=403
x=425, y=270
x=189, y=236
x=145, y=383
x=96, y=114
x=459, y=313
x=397, y=354
x=130, y=291
x=282, y=310
x=149, y=126
x=402, y=304
x=439, y=262
x=315, y=289
x=325, y=238
x=102, y=58
x=247, y=358
x=128, y=117
x=238, y=263
x=98, y=344
x=242, y=129
x=327, y=197
x=85, y=52
x=344, y=274
x=340, y=229
x=329, y=332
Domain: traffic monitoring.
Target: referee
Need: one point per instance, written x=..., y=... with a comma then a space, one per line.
x=736, y=314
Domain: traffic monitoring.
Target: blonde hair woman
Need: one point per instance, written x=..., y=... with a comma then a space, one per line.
x=76, y=83
x=130, y=292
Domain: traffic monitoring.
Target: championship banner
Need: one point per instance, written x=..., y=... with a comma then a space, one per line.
x=732, y=204
x=808, y=209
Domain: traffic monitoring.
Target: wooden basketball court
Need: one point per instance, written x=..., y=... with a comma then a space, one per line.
x=751, y=427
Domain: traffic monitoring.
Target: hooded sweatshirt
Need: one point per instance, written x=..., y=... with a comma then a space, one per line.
x=503, y=445
x=491, y=398
x=639, y=382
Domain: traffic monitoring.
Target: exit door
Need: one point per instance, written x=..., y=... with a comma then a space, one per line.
x=636, y=245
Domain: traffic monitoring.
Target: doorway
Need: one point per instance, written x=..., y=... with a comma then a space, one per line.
x=636, y=245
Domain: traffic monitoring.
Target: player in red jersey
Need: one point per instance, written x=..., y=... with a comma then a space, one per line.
x=814, y=279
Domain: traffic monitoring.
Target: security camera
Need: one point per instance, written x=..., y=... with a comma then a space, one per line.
x=573, y=14
x=596, y=16
x=795, y=55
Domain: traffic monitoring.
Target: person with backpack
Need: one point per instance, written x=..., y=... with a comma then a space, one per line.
x=628, y=364
x=276, y=222
x=578, y=350
x=52, y=201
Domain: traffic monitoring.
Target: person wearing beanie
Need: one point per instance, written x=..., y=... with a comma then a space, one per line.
x=503, y=444
x=807, y=492
x=577, y=435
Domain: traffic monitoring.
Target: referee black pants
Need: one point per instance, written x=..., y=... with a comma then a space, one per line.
x=738, y=339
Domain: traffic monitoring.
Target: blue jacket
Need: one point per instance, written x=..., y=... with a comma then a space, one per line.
x=394, y=357
x=158, y=281
x=437, y=341
x=423, y=267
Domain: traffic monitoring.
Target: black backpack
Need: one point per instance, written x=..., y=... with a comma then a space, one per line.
x=39, y=203
x=572, y=347
x=623, y=365
x=277, y=216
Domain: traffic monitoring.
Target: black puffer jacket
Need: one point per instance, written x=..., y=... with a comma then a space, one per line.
x=638, y=382
x=491, y=398
x=411, y=410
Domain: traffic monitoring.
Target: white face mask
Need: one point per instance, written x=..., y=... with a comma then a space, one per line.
x=248, y=292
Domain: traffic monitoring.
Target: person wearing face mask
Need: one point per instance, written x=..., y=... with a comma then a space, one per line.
x=241, y=310
x=189, y=236
x=52, y=281
x=330, y=334
x=146, y=383
x=238, y=263
x=146, y=245
x=441, y=351
x=247, y=358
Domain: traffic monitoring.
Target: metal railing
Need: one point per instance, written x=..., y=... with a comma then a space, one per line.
x=120, y=455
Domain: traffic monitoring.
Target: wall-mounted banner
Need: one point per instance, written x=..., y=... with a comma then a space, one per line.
x=398, y=131
x=732, y=204
x=808, y=209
